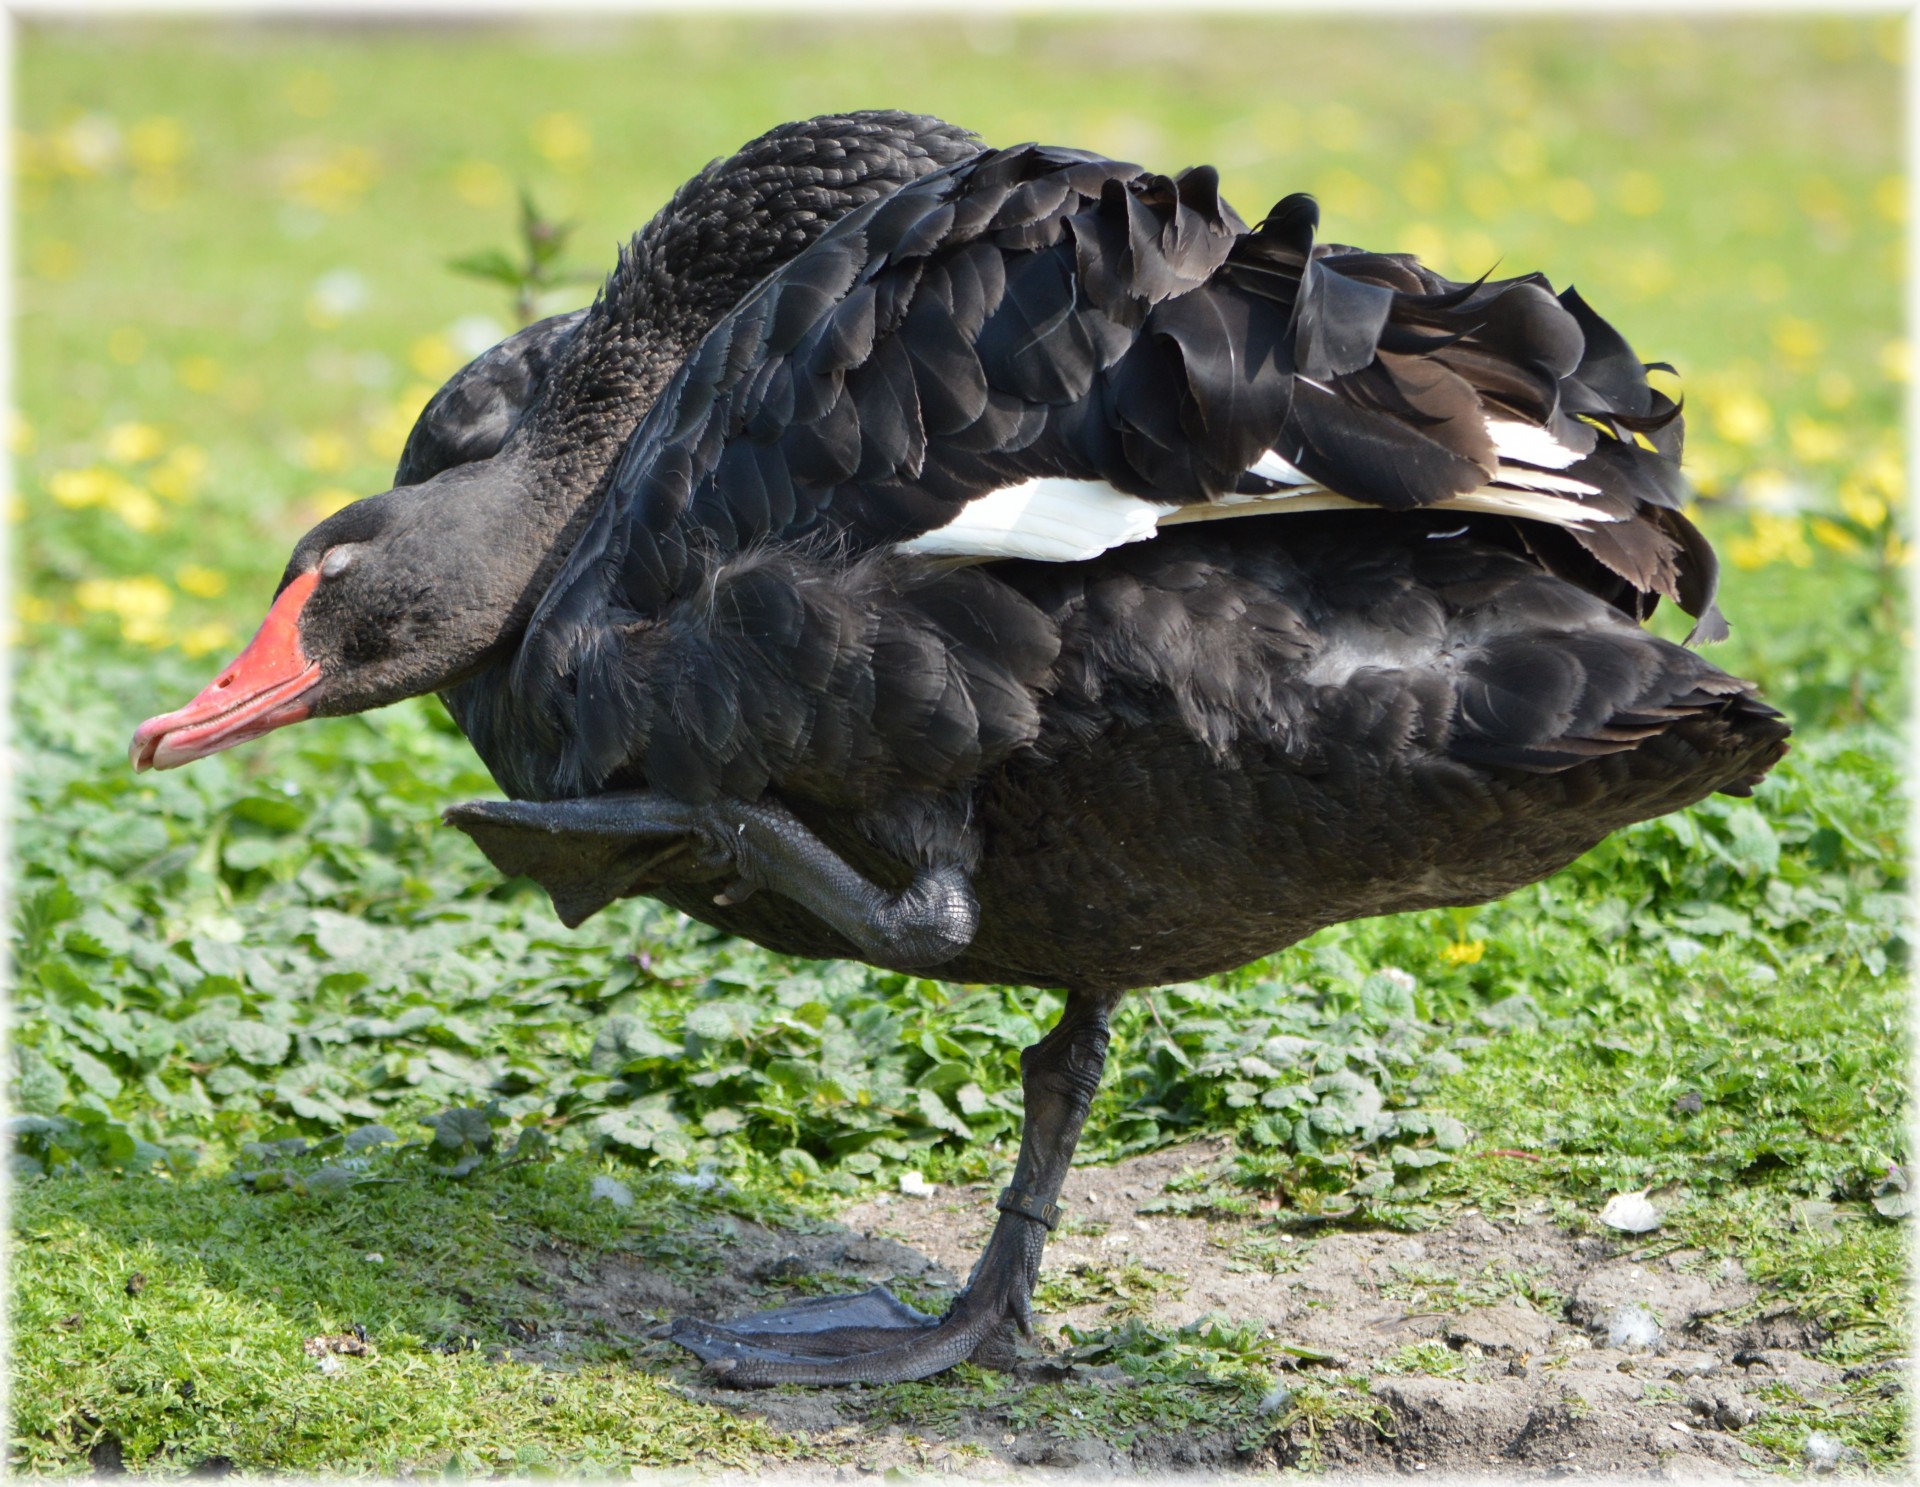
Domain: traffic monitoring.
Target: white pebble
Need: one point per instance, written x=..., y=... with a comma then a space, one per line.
x=1630, y=1213
x=915, y=1185
x=1633, y=1326
x=1824, y=1451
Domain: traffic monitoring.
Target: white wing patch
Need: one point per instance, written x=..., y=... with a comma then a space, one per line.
x=1513, y=440
x=1067, y=521
x=1056, y=521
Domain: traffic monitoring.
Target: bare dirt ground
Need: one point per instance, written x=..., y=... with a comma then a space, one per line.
x=1509, y=1348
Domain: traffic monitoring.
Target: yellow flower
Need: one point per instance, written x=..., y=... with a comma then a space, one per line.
x=140, y=631
x=158, y=143
x=1474, y=252
x=198, y=373
x=54, y=259
x=335, y=182
x=1570, y=199
x=137, y=508
x=1521, y=154
x=202, y=640
x=388, y=434
x=133, y=443
x=127, y=345
x=1797, y=339
x=1426, y=243
x=1335, y=127
x=1836, y=388
x=1648, y=272
x=480, y=183
x=1893, y=361
x=142, y=598
x=176, y=476
x=19, y=433
x=1823, y=201
x=325, y=451
x=1638, y=194
x=1775, y=538
x=33, y=609
x=326, y=502
x=1485, y=195
x=1832, y=535
x=32, y=159
x=1890, y=198
x=91, y=486
x=563, y=139
x=1423, y=186
x=434, y=356
x=1349, y=196
x=1890, y=38
x=1464, y=952
x=1741, y=417
x=202, y=583
x=1883, y=471
x=1814, y=442
x=1862, y=506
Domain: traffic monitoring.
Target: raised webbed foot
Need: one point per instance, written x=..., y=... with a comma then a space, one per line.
x=586, y=853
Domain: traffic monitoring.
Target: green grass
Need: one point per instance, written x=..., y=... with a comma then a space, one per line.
x=233, y=297
x=202, y=1358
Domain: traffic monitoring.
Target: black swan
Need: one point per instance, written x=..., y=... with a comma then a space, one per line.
x=802, y=582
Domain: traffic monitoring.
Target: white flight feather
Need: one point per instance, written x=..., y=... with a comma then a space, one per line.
x=1529, y=442
x=1056, y=521
x=1274, y=467
x=1067, y=521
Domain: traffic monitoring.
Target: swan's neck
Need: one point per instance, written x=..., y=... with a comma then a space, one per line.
x=722, y=233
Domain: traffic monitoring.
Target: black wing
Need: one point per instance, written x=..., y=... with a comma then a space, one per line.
x=1045, y=313
x=1041, y=314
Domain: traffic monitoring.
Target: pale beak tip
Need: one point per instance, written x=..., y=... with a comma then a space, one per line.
x=143, y=751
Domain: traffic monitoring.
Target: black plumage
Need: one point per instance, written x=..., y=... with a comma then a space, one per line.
x=804, y=583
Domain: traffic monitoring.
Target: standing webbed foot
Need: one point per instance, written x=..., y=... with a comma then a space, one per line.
x=876, y=1339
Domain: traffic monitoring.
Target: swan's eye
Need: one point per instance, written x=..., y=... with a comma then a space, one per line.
x=336, y=562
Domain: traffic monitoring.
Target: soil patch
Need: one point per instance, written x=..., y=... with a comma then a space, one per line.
x=1490, y=1347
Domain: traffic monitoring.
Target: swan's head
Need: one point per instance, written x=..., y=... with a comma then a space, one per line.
x=392, y=597
x=414, y=590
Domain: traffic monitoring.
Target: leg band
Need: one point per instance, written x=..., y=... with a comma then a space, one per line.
x=1024, y=1203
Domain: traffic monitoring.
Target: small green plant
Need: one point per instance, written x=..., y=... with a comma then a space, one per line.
x=1431, y=1358
x=1129, y=1287
x=1432, y=1289
x=1317, y=1406
x=537, y=271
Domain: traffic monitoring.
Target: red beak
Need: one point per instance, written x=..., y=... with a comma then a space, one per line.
x=258, y=693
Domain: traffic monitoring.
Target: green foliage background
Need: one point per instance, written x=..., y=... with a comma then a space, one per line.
x=233, y=296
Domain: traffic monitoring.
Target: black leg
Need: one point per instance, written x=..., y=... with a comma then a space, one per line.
x=587, y=853
x=875, y=1339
